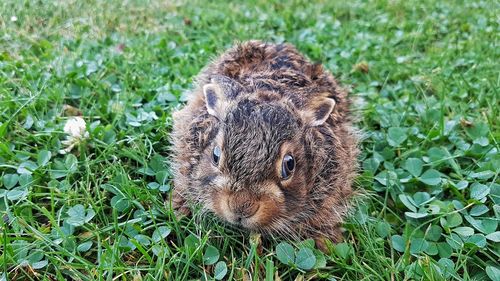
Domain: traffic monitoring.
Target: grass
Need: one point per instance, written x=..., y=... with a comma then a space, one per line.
x=427, y=74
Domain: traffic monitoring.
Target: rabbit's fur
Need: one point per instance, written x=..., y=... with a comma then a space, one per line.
x=255, y=104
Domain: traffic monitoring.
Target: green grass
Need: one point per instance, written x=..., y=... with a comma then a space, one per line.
x=426, y=72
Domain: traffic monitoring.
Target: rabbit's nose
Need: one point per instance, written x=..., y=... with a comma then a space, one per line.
x=242, y=208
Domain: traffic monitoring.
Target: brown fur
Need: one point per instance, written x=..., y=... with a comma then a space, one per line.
x=265, y=98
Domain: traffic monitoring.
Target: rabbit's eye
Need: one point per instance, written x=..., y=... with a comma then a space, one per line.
x=216, y=155
x=287, y=166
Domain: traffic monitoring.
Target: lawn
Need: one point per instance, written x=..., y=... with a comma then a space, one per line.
x=425, y=78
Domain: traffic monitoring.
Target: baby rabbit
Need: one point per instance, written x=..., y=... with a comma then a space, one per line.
x=265, y=143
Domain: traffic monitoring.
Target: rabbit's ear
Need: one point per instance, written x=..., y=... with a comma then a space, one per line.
x=318, y=110
x=214, y=99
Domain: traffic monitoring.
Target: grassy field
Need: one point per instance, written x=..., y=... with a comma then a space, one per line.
x=426, y=73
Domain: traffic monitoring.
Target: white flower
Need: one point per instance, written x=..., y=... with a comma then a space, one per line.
x=76, y=129
x=13, y=19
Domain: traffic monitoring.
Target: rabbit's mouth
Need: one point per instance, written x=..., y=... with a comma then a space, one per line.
x=242, y=210
x=249, y=221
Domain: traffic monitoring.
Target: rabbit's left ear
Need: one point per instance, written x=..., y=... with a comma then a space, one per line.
x=318, y=110
x=214, y=99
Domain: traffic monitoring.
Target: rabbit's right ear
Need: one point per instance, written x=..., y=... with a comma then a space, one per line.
x=214, y=99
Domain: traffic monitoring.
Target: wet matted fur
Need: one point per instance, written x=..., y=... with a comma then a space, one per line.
x=255, y=104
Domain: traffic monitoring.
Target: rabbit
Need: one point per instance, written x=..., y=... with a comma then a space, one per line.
x=265, y=142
